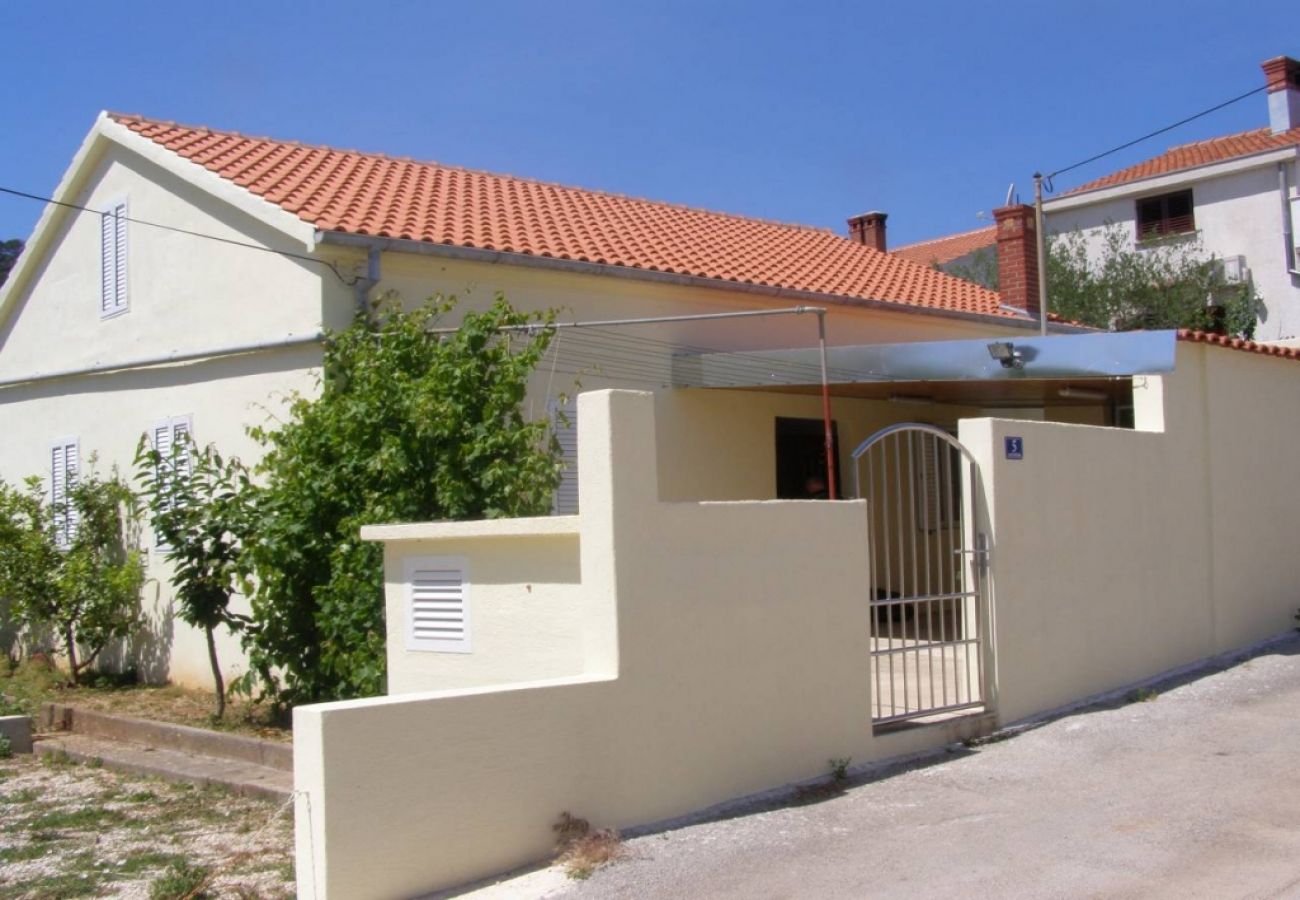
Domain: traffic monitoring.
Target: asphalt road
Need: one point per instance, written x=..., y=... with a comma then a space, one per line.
x=1193, y=794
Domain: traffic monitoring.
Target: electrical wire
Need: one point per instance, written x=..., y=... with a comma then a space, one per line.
x=1192, y=118
x=198, y=234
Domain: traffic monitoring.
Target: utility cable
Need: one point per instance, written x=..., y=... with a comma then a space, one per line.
x=198, y=234
x=1180, y=122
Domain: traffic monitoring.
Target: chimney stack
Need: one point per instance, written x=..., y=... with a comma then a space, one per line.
x=869, y=229
x=1283, y=77
x=1018, y=257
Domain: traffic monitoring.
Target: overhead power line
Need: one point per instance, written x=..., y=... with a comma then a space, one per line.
x=1159, y=131
x=197, y=234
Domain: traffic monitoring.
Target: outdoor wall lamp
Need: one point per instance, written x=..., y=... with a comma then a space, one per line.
x=1006, y=353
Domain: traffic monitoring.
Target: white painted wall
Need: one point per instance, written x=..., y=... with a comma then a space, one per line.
x=1237, y=212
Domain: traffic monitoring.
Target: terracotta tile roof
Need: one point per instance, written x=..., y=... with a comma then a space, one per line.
x=371, y=194
x=1189, y=156
x=946, y=249
x=1218, y=340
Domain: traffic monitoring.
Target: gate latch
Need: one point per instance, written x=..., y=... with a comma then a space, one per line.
x=981, y=553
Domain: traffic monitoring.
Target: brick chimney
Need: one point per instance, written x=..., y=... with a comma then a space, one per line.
x=1283, y=76
x=869, y=229
x=1018, y=257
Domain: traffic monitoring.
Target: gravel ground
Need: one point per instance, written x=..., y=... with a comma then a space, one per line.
x=81, y=831
x=1189, y=791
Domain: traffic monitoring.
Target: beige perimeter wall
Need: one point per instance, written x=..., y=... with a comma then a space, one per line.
x=1118, y=555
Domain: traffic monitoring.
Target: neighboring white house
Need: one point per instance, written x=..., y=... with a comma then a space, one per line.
x=1235, y=195
x=191, y=290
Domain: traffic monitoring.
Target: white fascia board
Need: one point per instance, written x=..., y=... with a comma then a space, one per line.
x=35, y=245
x=1171, y=180
x=223, y=189
x=106, y=129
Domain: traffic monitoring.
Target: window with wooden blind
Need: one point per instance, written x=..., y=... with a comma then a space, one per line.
x=1165, y=215
x=564, y=425
x=113, y=260
x=437, y=604
x=65, y=463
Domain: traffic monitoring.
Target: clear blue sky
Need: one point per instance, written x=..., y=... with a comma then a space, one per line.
x=803, y=112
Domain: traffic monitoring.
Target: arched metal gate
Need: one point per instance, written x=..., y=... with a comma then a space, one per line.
x=928, y=564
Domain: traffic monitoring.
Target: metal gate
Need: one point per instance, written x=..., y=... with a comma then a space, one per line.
x=928, y=563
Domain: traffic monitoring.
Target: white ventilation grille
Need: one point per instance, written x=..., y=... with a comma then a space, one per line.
x=437, y=601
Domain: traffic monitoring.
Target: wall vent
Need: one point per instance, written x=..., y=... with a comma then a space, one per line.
x=437, y=604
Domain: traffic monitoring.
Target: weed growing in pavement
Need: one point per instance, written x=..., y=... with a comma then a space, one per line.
x=1143, y=695
x=840, y=768
x=582, y=851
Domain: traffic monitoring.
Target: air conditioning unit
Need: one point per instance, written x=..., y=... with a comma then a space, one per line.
x=1234, y=269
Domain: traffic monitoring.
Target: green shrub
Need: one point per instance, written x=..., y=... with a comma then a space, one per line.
x=408, y=426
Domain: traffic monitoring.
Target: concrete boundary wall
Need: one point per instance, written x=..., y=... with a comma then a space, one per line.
x=720, y=656
x=1118, y=555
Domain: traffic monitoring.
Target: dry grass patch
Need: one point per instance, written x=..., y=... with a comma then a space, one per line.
x=77, y=831
x=582, y=851
x=25, y=687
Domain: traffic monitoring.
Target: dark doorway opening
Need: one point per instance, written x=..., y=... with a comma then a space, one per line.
x=801, y=455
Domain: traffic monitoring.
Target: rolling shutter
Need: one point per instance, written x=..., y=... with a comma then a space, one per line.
x=564, y=424
x=437, y=604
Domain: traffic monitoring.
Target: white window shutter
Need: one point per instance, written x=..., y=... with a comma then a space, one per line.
x=564, y=424
x=180, y=435
x=437, y=599
x=107, y=264
x=65, y=462
x=113, y=260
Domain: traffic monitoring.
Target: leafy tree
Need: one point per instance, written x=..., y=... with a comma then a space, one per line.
x=408, y=426
x=86, y=587
x=197, y=503
x=9, y=251
x=1111, y=284
x=1168, y=283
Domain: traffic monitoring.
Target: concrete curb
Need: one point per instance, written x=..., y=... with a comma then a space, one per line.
x=19, y=731
x=163, y=735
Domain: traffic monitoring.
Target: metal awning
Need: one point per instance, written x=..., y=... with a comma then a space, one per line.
x=1055, y=357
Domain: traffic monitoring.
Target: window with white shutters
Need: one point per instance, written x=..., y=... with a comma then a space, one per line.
x=112, y=260
x=65, y=463
x=564, y=424
x=171, y=438
x=437, y=604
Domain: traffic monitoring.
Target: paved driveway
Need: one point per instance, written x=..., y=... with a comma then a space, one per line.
x=1193, y=794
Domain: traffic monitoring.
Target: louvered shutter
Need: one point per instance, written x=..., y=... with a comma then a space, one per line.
x=180, y=435
x=65, y=459
x=564, y=424
x=107, y=264
x=113, y=260
x=437, y=604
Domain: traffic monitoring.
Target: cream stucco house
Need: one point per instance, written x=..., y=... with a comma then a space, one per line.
x=185, y=278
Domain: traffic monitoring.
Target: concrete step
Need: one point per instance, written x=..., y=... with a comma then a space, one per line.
x=245, y=778
x=166, y=736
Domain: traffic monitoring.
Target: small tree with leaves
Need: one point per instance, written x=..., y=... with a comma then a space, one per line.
x=1167, y=283
x=73, y=567
x=197, y=503
x=409, y=426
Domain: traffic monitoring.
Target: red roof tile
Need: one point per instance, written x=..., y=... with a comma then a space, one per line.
x=371, y=194
x=1201, y=153
x=945, y=249
x=1218, y=340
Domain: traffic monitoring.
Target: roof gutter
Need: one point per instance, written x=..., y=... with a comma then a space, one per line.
x=501, y=257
